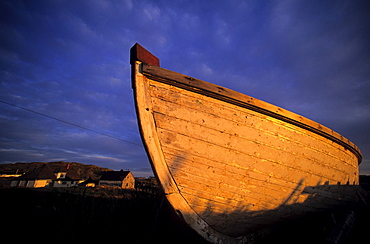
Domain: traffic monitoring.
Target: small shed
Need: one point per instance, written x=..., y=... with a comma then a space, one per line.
x=122, y=179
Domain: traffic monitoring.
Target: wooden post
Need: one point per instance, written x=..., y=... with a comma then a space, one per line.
x=138, y=53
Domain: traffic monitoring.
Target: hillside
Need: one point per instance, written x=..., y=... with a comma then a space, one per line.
x=83, y=170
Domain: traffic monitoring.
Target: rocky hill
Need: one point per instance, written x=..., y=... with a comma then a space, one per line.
x=83, y=170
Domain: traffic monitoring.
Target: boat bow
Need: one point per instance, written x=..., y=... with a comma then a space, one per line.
x=232, y=165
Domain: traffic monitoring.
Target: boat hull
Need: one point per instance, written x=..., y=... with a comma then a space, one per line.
x=231, y=170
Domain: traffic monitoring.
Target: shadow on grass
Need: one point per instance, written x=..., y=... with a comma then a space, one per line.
x=94, y=215
x=57, y=215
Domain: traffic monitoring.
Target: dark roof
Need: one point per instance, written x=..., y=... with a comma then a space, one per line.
x=114, y=175
x=48, y=172
x=71, y=176
x=89, y=180
x=42, y=173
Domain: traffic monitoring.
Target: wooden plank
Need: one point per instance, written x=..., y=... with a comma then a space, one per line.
x=253, y=193
x=239, y=99
x=226, y=190
x=248, y=146
x=239, y=186
x=242, y=174
x=257, y=188
x=240, y=144
x=261, y=126
x=201, y=116
x=308, y=177
x=167, y=96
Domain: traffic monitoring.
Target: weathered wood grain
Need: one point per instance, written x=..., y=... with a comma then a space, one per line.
x=231, y=164
x=227, y=132
x=234, y=114
x=242, y=100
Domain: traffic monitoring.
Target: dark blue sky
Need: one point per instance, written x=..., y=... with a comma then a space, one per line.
x=70, y=60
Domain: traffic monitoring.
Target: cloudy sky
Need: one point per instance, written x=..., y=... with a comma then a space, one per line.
x=69, y=60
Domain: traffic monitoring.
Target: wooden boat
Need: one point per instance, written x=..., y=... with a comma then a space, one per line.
x=232, y=165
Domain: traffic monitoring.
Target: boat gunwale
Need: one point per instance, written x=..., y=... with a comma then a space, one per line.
x=233, y=97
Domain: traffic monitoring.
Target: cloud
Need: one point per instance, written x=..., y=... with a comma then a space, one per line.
x=70, y=60
x=102, y=157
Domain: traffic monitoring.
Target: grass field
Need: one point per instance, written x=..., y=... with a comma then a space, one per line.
x=90, y=215
x=125, y=216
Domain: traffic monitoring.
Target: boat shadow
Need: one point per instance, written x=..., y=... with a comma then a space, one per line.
x=310, y=221
x=319, y=199
x=304, y=205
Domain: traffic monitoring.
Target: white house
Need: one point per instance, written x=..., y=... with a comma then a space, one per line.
x=47, y=176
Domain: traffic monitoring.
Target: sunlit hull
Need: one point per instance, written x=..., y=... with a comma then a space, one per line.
x=230, y=164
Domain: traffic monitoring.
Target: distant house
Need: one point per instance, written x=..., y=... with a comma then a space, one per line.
x=47, y=176
x=66, y=177
x=40, y=177
x=123, y=179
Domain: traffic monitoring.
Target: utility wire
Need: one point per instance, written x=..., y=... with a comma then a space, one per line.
x=69, y=123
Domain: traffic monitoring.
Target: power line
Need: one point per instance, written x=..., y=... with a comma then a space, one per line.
x=69, y=123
